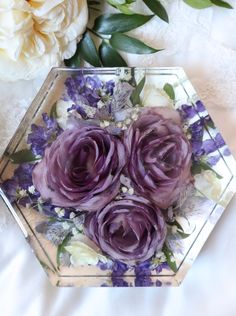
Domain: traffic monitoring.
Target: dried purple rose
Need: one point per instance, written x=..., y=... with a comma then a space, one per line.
x=159, y=156
x=81, y=169
x=129, y=230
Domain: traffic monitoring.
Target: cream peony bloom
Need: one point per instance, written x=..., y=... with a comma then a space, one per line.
x=36, y=35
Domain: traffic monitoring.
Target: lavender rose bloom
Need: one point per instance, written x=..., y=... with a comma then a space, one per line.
x=159, y=156
x=129, y=230
x=81, y=169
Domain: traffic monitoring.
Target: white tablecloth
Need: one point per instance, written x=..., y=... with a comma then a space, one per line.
x=204, y=43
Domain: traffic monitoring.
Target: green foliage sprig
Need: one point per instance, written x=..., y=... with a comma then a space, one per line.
x=101, y=44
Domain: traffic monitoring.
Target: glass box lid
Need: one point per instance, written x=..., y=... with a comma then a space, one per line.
x=117, y=176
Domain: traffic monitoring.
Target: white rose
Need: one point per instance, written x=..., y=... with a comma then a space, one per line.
x=208, y=185
x=153, y=96
x=36, y=35
x=83, y=251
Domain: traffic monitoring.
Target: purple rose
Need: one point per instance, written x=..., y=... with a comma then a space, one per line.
x=159, y=156
x=81, y=169
x=130, y=229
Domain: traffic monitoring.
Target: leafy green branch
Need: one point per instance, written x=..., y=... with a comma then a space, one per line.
x=101, y=44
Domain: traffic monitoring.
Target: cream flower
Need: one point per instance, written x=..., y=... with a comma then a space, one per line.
x=36, y=35
x=208, y=185
x=153, y=96
x=83, y=251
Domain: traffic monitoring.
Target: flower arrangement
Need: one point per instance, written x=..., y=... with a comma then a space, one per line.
x=110, y=175
x=106, y=36
x=36, y=35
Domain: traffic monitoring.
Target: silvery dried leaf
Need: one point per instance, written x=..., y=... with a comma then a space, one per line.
x=54, y=231
x=79, y=220
x=121, y=97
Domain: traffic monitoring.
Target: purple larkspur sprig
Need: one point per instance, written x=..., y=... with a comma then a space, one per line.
x=21, y=181
x=188, y=111
x=118, y=271
x=42, y=136
x=88, y=90
x=143, y=274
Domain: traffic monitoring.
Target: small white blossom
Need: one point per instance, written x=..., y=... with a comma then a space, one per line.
x=75, y=231
x=131, y=191
x=119, y=124
x=159, y=257
x=106, y=123
x=160, y=254
x=100, y=104
x=72, y=215
x=124, y=189
x=65, y=225
x=89, y=110
x=134, y=116
x=22, y=193
x=60, y=211
x=127, y=121
x=172, y=259
x=31, y=189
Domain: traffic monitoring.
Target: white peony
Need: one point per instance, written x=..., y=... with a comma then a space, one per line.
x=36, y=35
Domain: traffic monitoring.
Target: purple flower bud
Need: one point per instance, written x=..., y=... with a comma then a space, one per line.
x=128, y=230
x=81, y=169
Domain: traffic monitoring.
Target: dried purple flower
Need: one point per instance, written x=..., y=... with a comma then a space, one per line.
x=128, y=230
x=42, y=136
x=159, y=156
x=81, y=169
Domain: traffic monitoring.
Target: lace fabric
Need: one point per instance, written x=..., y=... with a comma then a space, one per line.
x=193, y=39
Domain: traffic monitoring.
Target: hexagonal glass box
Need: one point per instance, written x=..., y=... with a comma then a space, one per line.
x=56, y=233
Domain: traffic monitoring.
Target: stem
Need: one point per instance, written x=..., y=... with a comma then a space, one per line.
x=95, y=33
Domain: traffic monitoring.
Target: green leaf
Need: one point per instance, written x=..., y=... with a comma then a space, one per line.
x=53, y=112
x=169, y=90
x=182, y=234
x=87, y=50
x=175, y=223
x=24, y=155
x=169, y=255
x=135, y=96
x=156, y=7
x=61, y=248
x=119, y=22
x=130, y=45
x=222, y=4
x=201, y=166
x=110, y=57
x=199, y=4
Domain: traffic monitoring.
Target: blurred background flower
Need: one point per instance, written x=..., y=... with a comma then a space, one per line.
x=36, y=35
